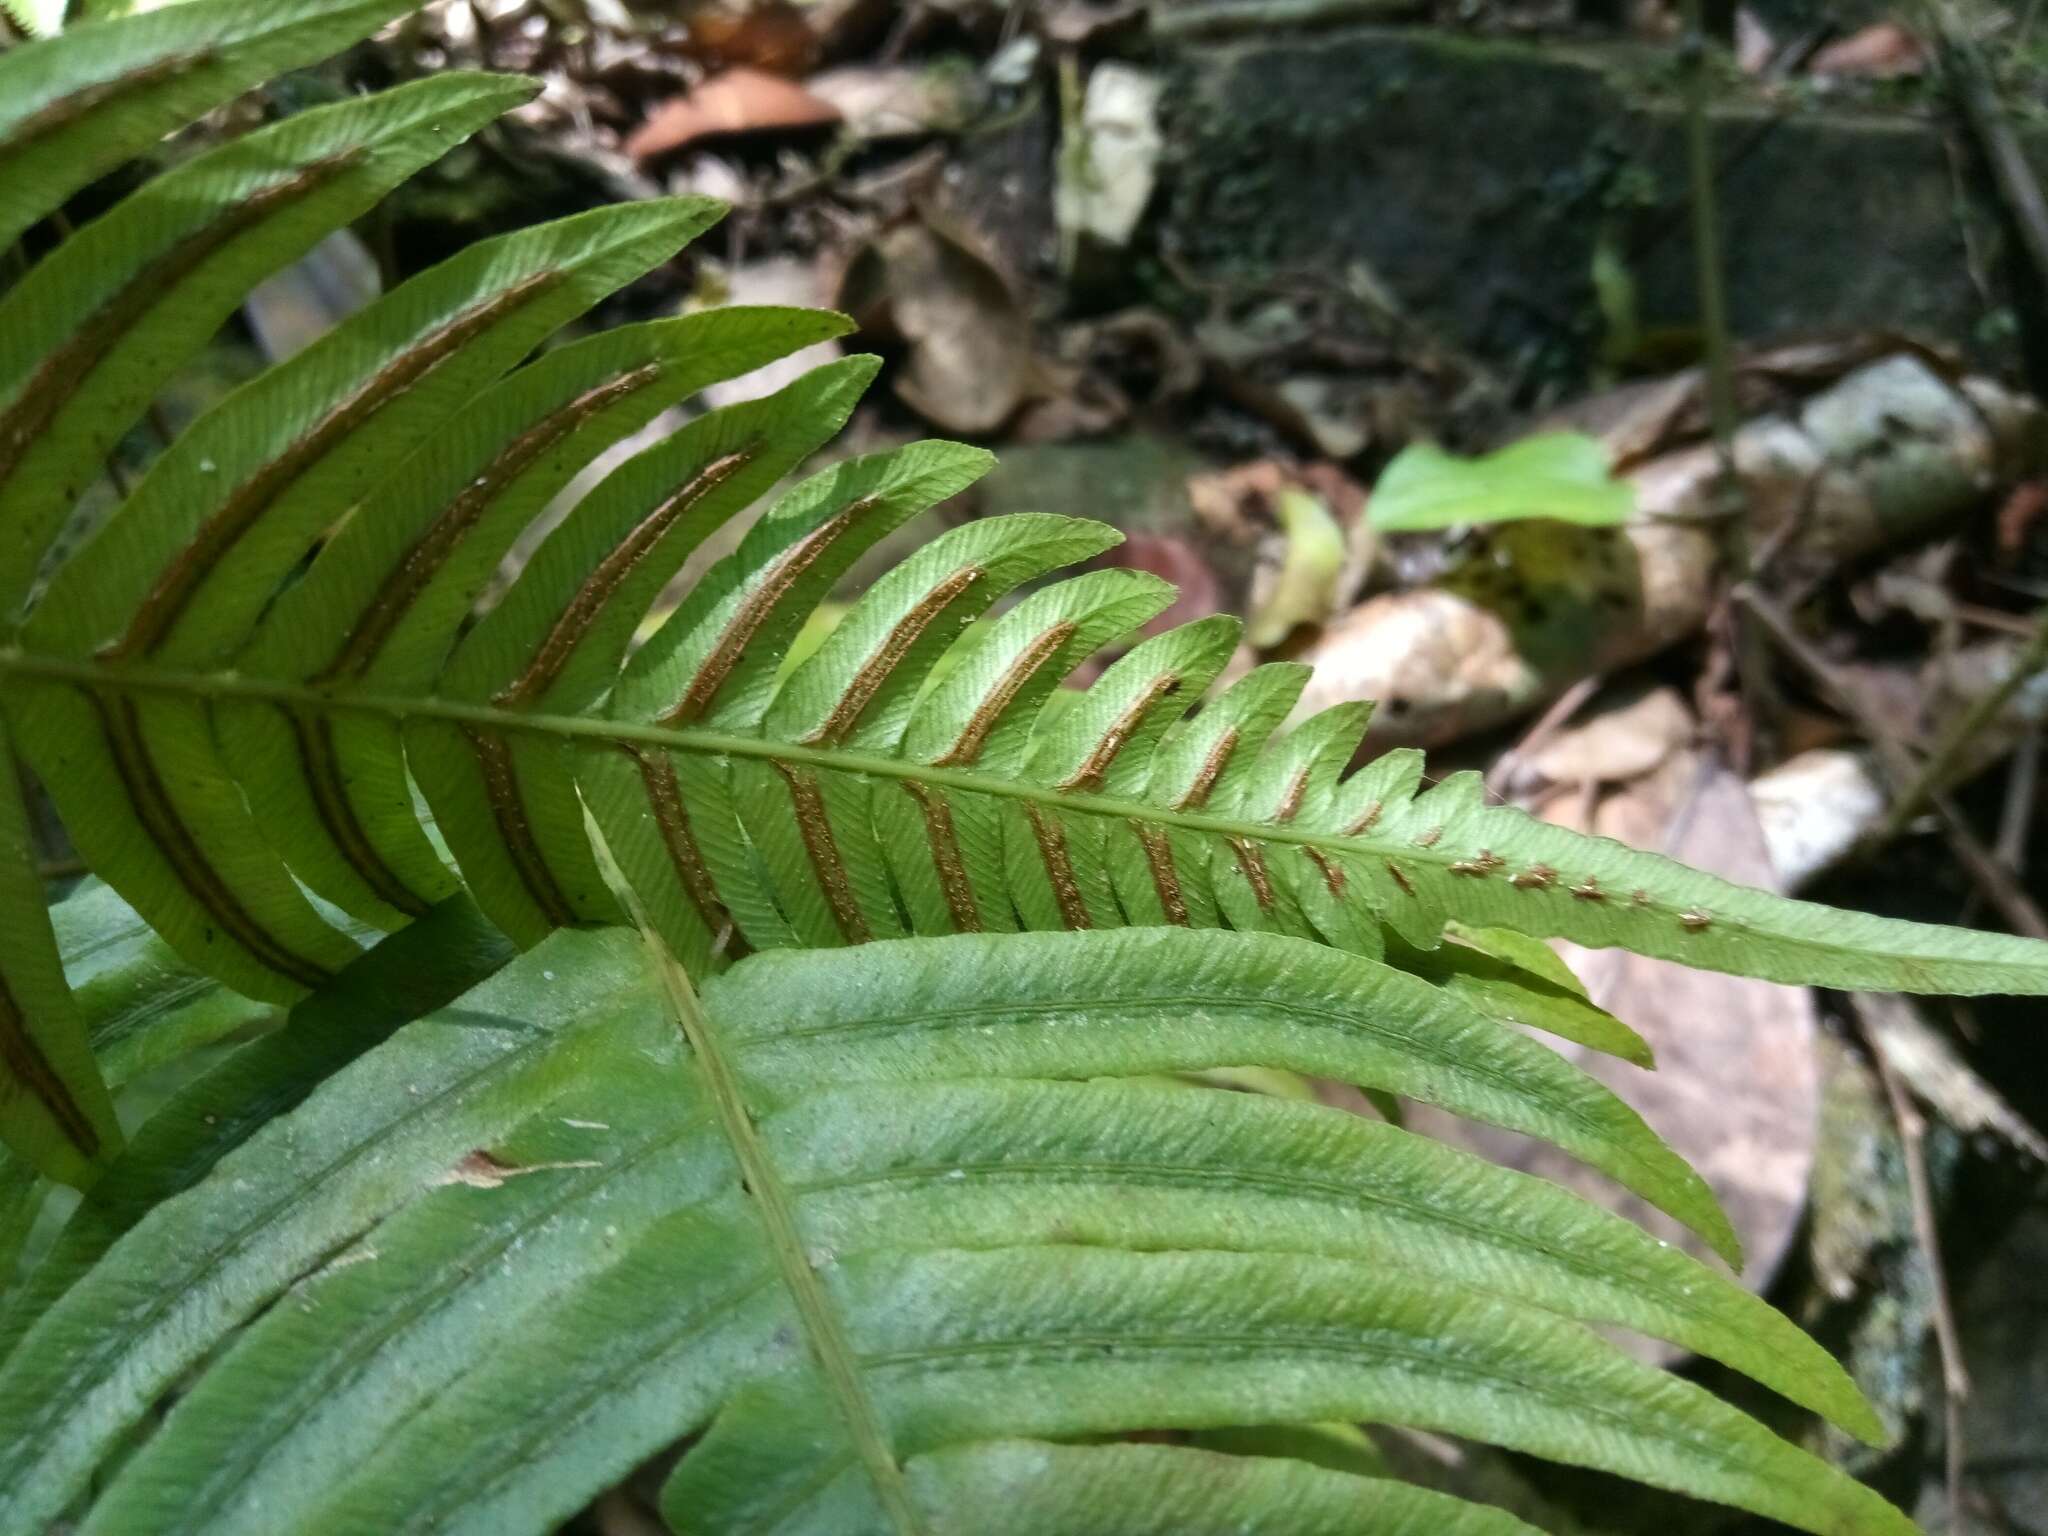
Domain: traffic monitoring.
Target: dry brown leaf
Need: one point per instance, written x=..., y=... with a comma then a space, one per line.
x=740, y=100
x=1630, y=738
x=1884, y=50
x=929, y=284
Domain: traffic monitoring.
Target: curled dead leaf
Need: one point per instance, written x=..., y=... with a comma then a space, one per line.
x=1884, y=50
x=928, y=283
x=741, y=100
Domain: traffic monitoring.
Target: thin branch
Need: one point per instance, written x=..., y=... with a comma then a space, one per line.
x=1940, y=767
x=2016, y=822
x=1897, y=765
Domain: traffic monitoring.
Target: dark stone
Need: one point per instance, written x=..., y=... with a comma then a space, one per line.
x=1475, y=179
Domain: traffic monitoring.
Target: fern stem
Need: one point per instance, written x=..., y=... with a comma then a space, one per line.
x=829, y=1343
x=97, y=675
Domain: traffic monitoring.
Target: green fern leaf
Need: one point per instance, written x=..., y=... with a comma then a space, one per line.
x=1018, y=1246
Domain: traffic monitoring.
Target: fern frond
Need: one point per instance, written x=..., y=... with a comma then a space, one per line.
x=880, y=1210
x=1018, y=1246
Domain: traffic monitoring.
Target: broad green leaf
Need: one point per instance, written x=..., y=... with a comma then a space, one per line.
x=1560, y=475
x=1064, y=1342
x=592, y=1283
x=1167, y=1000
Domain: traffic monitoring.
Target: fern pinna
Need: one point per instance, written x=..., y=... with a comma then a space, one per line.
x=914, y=1211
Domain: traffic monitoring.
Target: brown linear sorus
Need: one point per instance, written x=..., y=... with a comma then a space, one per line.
x=1332, y=871
x=321, y=767
x=1087, y=778
x=954, y=883
x=1219, y=755
x=1051, y=838
x=1252, y=863
x=814, y=825
x=180, y=580
x=122, y=728
x=1366, y=820
x=875, y=671
x=402, y=587
x=74, y=106
x=1158, y=846
x=23, y=1057
x=611, y=573
x=515, y=831
x=65, y=370
x=988, y=714
x=672, y=819
x=754, y=609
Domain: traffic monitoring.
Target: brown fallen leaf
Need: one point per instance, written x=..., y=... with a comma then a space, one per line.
x=1634, y=736
x=1884, y=50
x=928, y=283
x=741, y=100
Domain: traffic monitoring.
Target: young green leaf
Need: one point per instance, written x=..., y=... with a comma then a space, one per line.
x=1560, y=475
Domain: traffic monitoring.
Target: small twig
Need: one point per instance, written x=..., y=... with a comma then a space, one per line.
x=1895, y=762
x=1948, y=1343
x=1941, y=763
x=1547, y=725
